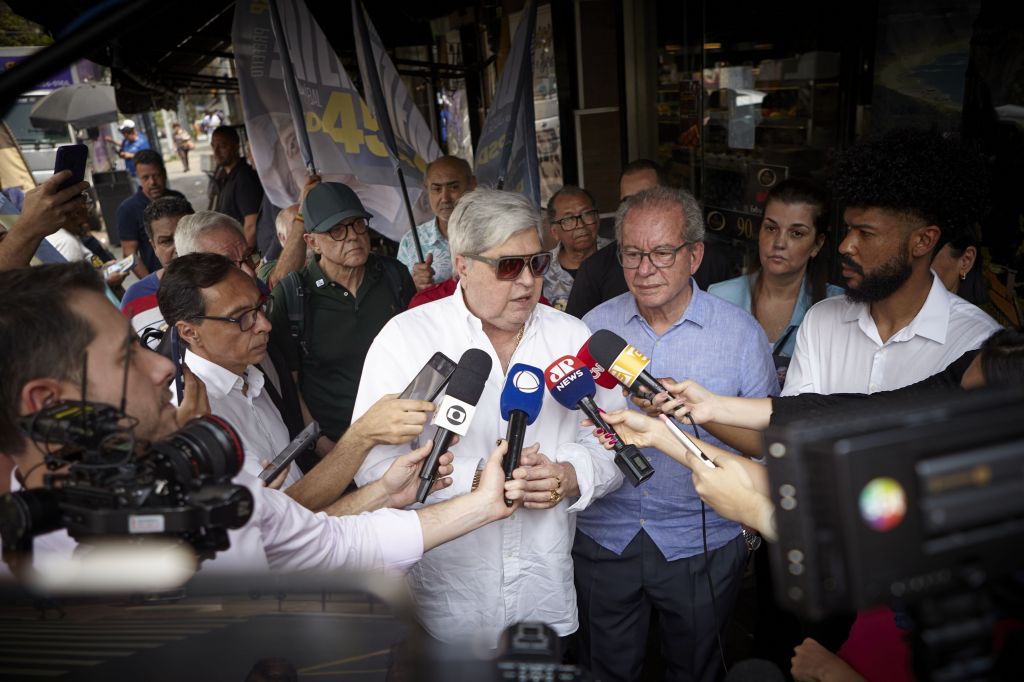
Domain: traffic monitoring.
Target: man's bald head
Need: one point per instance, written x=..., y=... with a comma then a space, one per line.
x=447, y=179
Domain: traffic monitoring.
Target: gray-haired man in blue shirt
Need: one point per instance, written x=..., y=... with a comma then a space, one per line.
x=642, y=548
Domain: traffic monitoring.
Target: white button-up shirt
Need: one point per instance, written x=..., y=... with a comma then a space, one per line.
x=839, y=350
x=518, y=569
x=282, y=535
x=251, y=412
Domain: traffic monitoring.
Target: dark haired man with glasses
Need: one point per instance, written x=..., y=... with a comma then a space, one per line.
x=348, y=295
x=642, y=548
x=574, y=220
x=220, y=316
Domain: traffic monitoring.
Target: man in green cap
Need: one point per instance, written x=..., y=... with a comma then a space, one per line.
x=326, y=315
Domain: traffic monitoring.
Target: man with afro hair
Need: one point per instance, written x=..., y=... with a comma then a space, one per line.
x=904, y=195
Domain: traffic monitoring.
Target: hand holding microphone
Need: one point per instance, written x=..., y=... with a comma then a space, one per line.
x=455, y=412
x=521, y=401
x=573, y=386
x=625, y=363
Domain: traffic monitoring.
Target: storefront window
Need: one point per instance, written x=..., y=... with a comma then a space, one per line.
x=741, y=106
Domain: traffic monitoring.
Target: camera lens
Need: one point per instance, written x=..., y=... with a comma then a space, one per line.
x=28, y=513
x=206, y=447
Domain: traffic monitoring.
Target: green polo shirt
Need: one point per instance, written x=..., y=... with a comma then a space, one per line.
x=340, y=328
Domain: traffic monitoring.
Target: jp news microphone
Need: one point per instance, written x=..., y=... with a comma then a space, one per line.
x=521, y=400
x=572, y=385
x=455, y=412
x=625, y=363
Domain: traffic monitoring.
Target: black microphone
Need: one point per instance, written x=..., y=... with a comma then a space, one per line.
x=625, y=363
x=521, y=400
x=455, y=411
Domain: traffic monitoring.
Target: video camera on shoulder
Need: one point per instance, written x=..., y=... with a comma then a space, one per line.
x=103, y=483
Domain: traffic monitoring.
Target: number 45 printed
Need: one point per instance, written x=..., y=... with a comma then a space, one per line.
x=340, y=122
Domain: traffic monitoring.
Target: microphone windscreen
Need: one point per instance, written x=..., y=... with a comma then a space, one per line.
x=569, y=381
x=463, y=393
x=597, y=370
x=624, y=362
x=604, y=346
x=524, y=391
x=469, y=377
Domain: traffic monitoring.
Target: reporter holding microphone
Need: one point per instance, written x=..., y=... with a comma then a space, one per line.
x=519, y=569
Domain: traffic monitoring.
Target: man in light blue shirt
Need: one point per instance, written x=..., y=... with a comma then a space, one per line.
x=643, y=548
x=447, y=179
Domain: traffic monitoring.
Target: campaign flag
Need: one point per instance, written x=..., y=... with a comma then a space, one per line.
x=406, y=133
x=344, y=136
x=507, y=150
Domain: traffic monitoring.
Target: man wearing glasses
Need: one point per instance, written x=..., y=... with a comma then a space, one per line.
x=644, y=548
x=574, y=221
x=520, y=569
x=349, y=294
x=221, y=317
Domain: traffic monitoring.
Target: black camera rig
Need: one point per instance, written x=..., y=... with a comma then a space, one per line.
x=103, y=483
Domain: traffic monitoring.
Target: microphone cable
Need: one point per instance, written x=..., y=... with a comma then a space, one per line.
x=707, y=564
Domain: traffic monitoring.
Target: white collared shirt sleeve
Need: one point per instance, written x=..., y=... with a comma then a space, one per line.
x=296, y=539
x=384, y=371
x=799, y=375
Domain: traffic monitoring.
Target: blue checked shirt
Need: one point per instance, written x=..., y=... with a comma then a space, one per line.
x=725, y=350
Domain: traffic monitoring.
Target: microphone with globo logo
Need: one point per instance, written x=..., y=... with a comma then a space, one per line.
x=521, y=400
x=624, y=362
x=572, y=385
x=455, y=412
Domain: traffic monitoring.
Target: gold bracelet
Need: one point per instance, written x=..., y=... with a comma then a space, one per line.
x=298, y=216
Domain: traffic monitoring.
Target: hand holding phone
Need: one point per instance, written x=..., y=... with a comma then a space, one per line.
x=427, y=384
x=123, y=265
x=71, y=157
x=306, y=438
x=687, y=442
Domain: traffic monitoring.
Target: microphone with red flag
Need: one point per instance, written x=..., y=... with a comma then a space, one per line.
x=597, y=370
x=572, y=385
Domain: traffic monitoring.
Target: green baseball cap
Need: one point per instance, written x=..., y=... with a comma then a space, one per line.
x=328, y=204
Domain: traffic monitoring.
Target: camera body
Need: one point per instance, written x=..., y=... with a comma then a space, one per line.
x=103, y=483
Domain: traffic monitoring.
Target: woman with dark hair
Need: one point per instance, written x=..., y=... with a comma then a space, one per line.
x=958, y=265
x=787, y=278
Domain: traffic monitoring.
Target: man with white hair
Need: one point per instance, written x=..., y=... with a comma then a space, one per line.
x=654, y=547
x=521, y=569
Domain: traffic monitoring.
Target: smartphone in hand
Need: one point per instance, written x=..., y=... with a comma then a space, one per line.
x=71, y=157
x=306, y=439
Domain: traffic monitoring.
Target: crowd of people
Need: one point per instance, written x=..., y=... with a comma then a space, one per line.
x=328, y=330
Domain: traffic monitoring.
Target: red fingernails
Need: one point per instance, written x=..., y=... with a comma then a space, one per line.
x=599, y=431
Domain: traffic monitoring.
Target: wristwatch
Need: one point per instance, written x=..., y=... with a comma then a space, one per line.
x=751, y=537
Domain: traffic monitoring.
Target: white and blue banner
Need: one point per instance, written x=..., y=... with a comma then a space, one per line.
x=344, y=136
x=507, y=150
x=405, y=131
